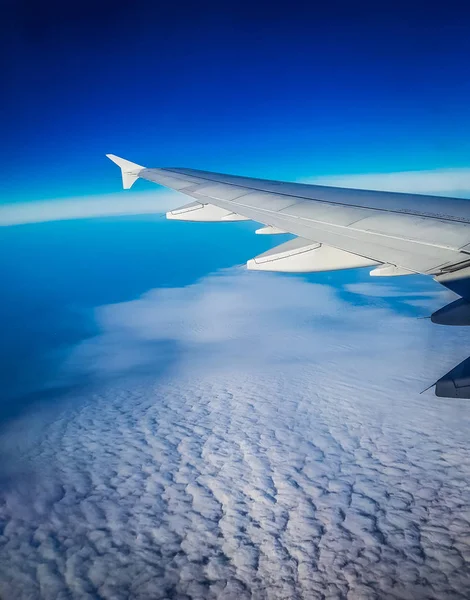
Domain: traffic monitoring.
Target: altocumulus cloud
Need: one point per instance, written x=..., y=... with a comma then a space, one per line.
x=265, y=438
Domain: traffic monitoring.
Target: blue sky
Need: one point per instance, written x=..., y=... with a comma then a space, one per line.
x=260, y=90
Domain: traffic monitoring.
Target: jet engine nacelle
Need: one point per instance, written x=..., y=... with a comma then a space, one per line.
x=455, y=313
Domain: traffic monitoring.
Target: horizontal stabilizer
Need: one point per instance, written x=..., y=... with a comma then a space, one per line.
x=195, y=211
x=304, y=256
x=129, y=170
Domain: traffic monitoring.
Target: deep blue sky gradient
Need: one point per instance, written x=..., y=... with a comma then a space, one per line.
x=282, y=91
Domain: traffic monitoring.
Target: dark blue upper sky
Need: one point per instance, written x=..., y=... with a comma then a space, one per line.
x=263, y=89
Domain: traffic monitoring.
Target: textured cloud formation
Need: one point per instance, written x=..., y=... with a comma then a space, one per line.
x=107, y=205
x=440, y=182
x=265, y=439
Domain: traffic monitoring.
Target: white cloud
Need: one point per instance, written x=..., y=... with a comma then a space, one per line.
x=267, y=441
x=440, y=182
x=106, y=205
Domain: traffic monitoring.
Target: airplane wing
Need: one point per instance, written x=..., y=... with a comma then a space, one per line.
x=335, y=228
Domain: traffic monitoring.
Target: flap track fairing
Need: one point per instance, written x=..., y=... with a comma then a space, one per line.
x=304, y=256
x=205, y=213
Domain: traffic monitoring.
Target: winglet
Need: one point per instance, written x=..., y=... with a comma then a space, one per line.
x=129, y=170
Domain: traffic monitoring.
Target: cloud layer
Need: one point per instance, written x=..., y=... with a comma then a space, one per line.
x=107, y=205
x=250, y=436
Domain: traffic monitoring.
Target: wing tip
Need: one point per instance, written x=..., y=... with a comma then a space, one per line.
x=129, y=170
